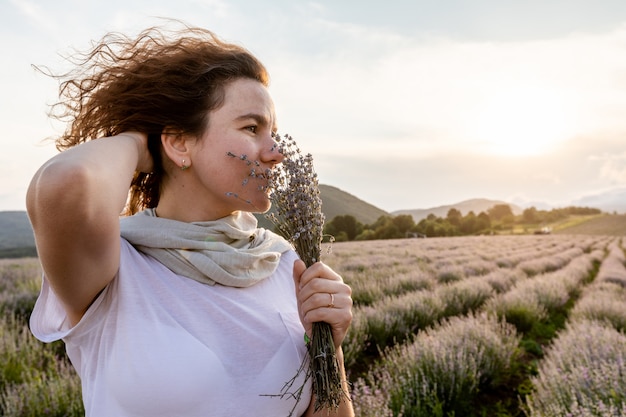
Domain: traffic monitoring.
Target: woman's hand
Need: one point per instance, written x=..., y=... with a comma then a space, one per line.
x=323, y=296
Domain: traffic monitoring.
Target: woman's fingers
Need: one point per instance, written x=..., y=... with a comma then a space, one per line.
x=323, y=296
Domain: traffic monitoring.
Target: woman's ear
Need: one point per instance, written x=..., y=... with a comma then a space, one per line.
x=176, y=146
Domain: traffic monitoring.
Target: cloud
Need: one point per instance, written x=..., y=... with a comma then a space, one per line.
x=431, y=91
x=547, y=177
x=391, y=113
x=612, y=167
x=218, y=8
x=34, y=14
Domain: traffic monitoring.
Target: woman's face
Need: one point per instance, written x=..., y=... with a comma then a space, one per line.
x=237, y=141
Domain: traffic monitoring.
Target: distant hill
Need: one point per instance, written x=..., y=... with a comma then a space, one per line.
x=336, y=202
x=17, y=240
x=476, y=205
x=16, y=235
x=609, y=201
x=610, y=224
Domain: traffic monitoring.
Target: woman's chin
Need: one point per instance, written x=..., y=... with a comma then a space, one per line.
x=262, y=205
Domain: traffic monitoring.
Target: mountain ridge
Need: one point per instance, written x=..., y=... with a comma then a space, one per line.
x=613, y=200
x=336, y=202
x=17, y=239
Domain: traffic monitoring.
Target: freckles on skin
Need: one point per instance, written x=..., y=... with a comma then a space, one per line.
x=248, y=123
x=254, y=169
x=253, y=180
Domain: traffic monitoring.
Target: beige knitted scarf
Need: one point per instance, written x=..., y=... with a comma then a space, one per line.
x=230, y=251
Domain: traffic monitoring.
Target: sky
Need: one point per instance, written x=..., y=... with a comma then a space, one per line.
x=405, y=104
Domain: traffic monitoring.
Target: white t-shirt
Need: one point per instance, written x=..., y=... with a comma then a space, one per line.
x=158, y=344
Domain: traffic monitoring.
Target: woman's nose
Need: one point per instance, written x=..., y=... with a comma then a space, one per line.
x=273, y=152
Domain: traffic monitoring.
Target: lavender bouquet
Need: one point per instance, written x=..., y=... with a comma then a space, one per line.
x=297, y=216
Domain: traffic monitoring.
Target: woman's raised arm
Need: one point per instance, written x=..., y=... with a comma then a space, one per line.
x=74, y=202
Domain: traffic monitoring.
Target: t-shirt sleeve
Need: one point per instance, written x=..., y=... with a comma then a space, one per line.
x=49, y=321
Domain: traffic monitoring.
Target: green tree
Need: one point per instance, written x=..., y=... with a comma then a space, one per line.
x=366, y=234
x=429, y=229
x=426, y=227
x=468, y=223
x=347, y=224
x=384, y=228
x=403, y=223
x=530, y=215
x=454, y=217
x=500, y=211
x=483, y=222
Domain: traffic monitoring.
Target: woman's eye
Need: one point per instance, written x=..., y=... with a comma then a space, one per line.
x=251, y=128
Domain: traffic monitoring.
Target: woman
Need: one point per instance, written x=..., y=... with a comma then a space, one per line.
x=184, y=308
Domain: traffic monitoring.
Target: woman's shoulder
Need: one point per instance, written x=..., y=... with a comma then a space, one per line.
x=49, y=320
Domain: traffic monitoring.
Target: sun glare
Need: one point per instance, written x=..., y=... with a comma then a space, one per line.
x=520, y=122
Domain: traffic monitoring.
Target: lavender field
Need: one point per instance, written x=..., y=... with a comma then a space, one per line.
x=468, y=326
x=487, y=326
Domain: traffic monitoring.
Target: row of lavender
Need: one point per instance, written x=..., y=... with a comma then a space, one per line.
x=409, y=285
x=35, y=378
x=584, y=372
x=446, y=300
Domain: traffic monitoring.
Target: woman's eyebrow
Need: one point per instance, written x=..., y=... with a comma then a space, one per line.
x=259, y=118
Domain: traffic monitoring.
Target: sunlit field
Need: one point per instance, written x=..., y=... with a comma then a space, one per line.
x=469, y=326
x=487, y=326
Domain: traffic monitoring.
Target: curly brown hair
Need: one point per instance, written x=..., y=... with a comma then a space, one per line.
x=162, y=79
